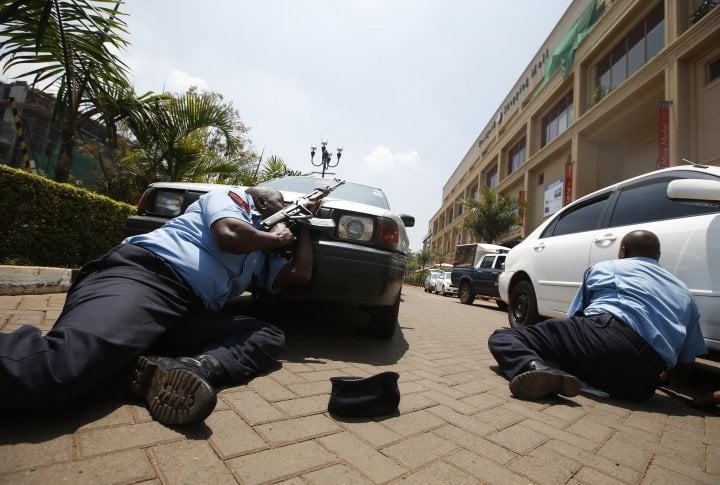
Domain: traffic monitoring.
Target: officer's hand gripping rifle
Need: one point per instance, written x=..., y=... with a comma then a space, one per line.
x=298, y=213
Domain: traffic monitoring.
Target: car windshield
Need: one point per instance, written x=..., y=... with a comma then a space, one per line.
x=353, y=192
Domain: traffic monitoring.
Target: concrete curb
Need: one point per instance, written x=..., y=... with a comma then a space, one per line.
x=34, y=280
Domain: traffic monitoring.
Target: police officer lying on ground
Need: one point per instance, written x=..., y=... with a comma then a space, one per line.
x=155, y=301
x=629, y=323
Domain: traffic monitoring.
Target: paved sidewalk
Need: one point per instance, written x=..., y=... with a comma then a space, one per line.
x=458, y=422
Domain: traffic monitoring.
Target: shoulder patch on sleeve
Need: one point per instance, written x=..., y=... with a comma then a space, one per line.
x=239, y=201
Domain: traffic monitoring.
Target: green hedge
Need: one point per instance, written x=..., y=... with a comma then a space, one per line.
x=44, y=223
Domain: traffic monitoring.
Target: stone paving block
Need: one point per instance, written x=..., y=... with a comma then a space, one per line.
x=279, y=463
x=452, y=403
x=231, y=436
x=413, y=423
x=624, y=453
x=604, y=465
x=414, y=402
x=440, y=472
x=118, y=416
x=297, y=429
x=470, y=388
x=518, y=438
x=323, y=375
x=590, y=430
x=9, y=302
x=649, y=423
x=336, y=474
x=410, y=387
x=371, y=431
x=253, y=408
x=468, y=423
x=500, y=416
x=124, y=467
x=306, y=389
x=375, y=465
x=285, y=377
x=712, y=460
x=545, y=466
x=270, y=390
x=698, y=471
x=419, y=450
x=304, y=406
x=567, y=414
x=18, y=455
x=559, y=434
x=190, y=462
x=476, y=444
x=484, y=469
x=27, y=317
x=539, y=414
x=658, y=475
x=106, y=440
x=588, y=476
x=483, y=400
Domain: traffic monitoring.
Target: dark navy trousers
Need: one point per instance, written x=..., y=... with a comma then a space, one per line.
x=589, y=348
x=125, y=304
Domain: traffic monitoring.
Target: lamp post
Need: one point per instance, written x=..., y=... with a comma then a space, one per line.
x=326, y=158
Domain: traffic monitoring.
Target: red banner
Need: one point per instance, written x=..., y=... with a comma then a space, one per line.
x=663, y=160
x=567, y=192
x=521, y=211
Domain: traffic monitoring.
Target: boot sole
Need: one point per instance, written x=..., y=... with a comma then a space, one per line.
x=537, y=384
x=174, y=395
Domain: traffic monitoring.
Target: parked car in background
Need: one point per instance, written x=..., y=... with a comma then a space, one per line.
x=162, y=201
x=359, y=260
x=430, y=280
x=444, y=286
x=481, y=281
x=475, y=272
x=679, y=204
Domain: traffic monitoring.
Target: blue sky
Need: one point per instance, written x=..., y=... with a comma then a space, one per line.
x=405, y=86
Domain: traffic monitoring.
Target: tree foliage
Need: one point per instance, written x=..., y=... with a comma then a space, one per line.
x=491, y=216
x=69, y=48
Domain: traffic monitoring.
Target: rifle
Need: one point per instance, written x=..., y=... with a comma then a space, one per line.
x=297, y=212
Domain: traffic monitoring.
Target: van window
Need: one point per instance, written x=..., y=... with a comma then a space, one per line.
x=580, y=219
x=648, y=202
x=487, y=262
x=500, y=262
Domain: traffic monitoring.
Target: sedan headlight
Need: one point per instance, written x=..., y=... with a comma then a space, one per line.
x=356, y=228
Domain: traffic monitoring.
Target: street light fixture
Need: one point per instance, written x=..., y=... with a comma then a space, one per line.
x=326, y=159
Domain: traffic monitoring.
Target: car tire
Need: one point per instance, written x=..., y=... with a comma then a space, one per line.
x=522, y=308
x=465, y=293
x=384, y=320
x=501, y=305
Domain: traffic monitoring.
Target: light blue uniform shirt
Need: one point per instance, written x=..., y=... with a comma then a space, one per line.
x=650, y=300
x=186, y=242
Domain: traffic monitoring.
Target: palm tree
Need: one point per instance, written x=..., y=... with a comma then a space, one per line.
x=194, y=137
x=69, y=48
x=275, y=167
x=491, y=216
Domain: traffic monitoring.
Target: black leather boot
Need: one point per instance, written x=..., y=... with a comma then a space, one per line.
x=539, y=380
x=177, y=391
x=210, y=368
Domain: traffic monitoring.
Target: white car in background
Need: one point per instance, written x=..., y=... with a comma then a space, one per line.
x=443, y=284
x=679, y=204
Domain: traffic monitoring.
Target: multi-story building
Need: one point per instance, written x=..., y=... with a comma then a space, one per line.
x=619, y=88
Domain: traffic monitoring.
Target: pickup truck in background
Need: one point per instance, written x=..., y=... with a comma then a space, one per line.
x=476, y=271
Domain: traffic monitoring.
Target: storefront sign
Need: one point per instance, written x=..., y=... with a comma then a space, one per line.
x=553, y=198
x=567, y=197
x=663, y=160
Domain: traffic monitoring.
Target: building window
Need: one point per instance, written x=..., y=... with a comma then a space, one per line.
x=473, y=193
x=631, y=53
x=713, y=70
x=491, y=179
x=460, y=206
x=516, y=157
x=557, y=120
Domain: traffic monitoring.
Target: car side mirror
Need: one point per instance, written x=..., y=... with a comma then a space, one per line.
x=694, y=191
x=409, y=221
